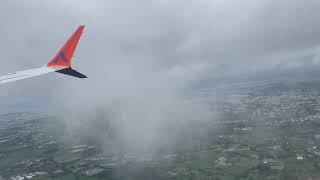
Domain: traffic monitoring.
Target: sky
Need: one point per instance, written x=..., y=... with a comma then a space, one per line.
x=142, y=57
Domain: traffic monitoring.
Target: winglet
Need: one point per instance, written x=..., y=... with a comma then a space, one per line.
x=71, y=72
x=63, y=58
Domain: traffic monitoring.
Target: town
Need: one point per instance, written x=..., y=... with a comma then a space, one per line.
x=268, y=131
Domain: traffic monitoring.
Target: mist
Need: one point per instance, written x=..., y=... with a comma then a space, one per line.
x=142, y=60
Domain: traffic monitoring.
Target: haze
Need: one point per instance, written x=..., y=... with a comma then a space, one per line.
x=144, y=58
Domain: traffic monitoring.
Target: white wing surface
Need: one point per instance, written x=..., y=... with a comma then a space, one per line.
x=10, y=77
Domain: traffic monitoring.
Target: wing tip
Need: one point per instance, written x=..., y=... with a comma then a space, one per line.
x=64, y=56
x=71, y=72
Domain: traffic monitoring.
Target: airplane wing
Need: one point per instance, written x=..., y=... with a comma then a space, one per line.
x=61, y=62
x=25, y=74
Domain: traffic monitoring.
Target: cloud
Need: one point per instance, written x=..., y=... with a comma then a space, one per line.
x=142, y=57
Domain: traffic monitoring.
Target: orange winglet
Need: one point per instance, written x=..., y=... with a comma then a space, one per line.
x=63, y=58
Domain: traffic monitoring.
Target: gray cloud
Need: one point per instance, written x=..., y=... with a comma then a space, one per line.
x=142, y=56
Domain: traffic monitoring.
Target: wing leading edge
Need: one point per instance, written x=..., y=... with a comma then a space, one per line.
x=61, y=63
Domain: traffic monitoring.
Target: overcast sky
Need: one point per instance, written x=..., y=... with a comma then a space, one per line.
x=189, y=39
x=141, y=55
